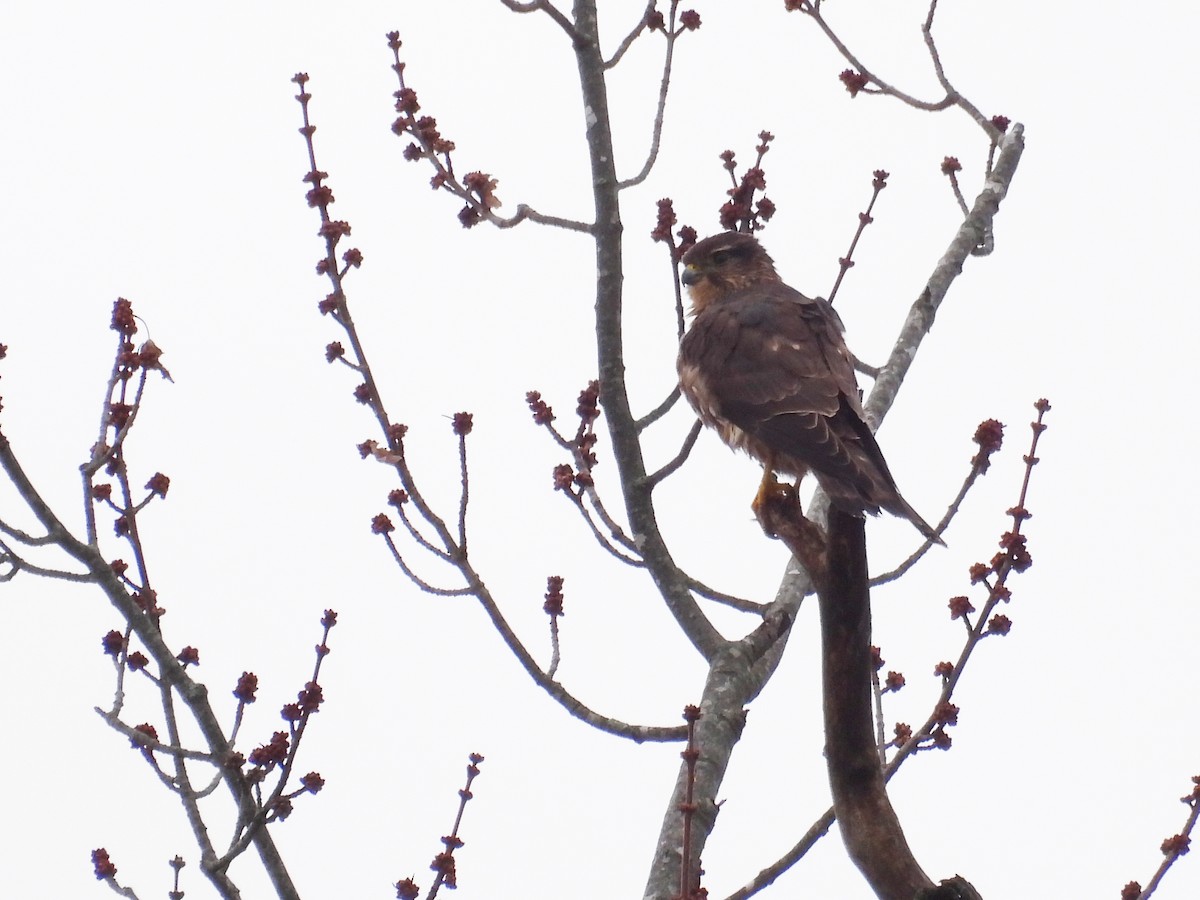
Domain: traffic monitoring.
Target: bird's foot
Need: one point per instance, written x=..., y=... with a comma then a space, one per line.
x=774, y=500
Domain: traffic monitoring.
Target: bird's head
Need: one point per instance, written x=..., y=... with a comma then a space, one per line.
x=723, y=264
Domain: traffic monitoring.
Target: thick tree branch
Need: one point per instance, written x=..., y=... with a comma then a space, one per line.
x=869, y=825
x=670, y=581
x=732, y=682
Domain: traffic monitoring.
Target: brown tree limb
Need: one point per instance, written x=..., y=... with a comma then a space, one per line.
x=868, y=824
x=837, y=563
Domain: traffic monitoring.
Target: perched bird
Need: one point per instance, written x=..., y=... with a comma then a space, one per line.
x=768, y=369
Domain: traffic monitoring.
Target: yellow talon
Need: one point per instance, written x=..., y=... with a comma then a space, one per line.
x=770, y=489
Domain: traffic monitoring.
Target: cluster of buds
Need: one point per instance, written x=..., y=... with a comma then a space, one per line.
x=990, y=437
x=665, y=221
x=689, y=20
x=741, y=211
x=554, y=596
x=102, y=865
x=587, y=408
x=274, y=752
x=478, y=189
x=854, y=82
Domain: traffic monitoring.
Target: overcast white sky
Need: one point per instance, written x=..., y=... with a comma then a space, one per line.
x=151, y=152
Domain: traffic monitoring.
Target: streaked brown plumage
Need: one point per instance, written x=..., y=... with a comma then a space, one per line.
x=768, y=369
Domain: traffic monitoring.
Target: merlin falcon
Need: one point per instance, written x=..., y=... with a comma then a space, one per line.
x=768, y=369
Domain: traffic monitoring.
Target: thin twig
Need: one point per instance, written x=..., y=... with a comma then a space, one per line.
x=660, y=109
x=19, y=564
x=616, y=531
x=877, y=693
x=687, y=808
x=659, y=411
x=679, y=459
x=421, y=540
x=628, y=40
x=24, y=537
x=864, y=368
x=417, y=580
x=729, y=600
x=599, y=535
x=767, y=876
x=1177, y=845
x=845, y=263
x=979, y=465
x=1012, y=558
x=555, y=650
x=476, y=189
x=464, y=494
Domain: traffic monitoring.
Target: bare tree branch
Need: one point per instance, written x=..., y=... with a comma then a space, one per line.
x=628, y=40
x=549, y=9
x=664, y=86
x=680, y=458
x=671, y=583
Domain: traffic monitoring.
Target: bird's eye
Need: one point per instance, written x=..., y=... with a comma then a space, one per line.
x=720, y=257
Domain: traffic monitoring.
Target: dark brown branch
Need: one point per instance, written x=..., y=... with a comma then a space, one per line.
x=783, y=513
x=868, y=824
